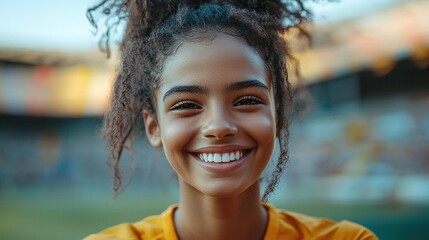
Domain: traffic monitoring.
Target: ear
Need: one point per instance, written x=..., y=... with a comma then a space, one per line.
x=153, y=132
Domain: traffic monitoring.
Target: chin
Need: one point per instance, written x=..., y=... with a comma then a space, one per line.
x=224, y=188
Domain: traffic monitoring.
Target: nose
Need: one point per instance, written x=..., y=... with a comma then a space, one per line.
x=219, y=124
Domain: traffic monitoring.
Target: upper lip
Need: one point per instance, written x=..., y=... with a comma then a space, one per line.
x=221, y=149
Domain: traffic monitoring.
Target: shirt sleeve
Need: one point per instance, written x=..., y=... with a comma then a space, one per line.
x=353, y=231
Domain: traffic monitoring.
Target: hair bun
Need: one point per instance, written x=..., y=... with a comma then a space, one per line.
x=150, y=13
x=290, y=12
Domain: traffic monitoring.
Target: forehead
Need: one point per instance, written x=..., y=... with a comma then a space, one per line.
x=222, y=58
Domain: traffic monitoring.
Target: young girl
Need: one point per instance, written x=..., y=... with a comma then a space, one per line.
x=209, y=81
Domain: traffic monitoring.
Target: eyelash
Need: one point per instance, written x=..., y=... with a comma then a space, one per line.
x=183, y=105
x=246, y=100
x=249, y=100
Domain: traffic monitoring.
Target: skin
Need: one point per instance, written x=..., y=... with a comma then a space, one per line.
x=215, y=96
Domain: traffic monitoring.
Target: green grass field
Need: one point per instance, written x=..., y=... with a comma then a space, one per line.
x=73, y=215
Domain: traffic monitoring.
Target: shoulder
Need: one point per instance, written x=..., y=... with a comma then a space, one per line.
x=153, y=227
x=300, y=226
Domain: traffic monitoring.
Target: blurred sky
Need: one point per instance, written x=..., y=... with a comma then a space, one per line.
x=61, y=25
x=45, y=25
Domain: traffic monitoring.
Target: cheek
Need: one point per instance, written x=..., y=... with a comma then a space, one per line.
x=175, y=133
x=262, y=128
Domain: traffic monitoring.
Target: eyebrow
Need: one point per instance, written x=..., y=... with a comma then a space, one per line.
x=185, y=89
x=202, y=90
x=246, y=84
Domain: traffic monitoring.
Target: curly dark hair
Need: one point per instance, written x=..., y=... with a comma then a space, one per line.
x=155, y=29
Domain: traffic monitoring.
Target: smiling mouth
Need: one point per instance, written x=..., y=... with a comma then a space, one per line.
x=222, y=157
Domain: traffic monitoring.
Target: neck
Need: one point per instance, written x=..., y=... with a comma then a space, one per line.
x=205, y=217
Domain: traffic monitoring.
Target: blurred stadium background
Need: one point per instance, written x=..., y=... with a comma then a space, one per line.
x=359, y=152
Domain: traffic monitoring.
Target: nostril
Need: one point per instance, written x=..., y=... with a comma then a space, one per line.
x=219, y=133
x=218, y=124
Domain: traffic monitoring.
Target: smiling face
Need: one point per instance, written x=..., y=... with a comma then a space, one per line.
x=215, y=115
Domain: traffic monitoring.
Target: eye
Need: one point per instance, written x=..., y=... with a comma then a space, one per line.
x=248, y=100
x=184, y=105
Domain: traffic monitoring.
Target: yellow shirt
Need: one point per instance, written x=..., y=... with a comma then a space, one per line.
x=281, y=225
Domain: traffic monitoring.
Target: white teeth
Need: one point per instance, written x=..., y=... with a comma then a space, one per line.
x=218, y=157
x=225, y=157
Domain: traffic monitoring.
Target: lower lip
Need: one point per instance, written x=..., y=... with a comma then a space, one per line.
x=222, y=167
